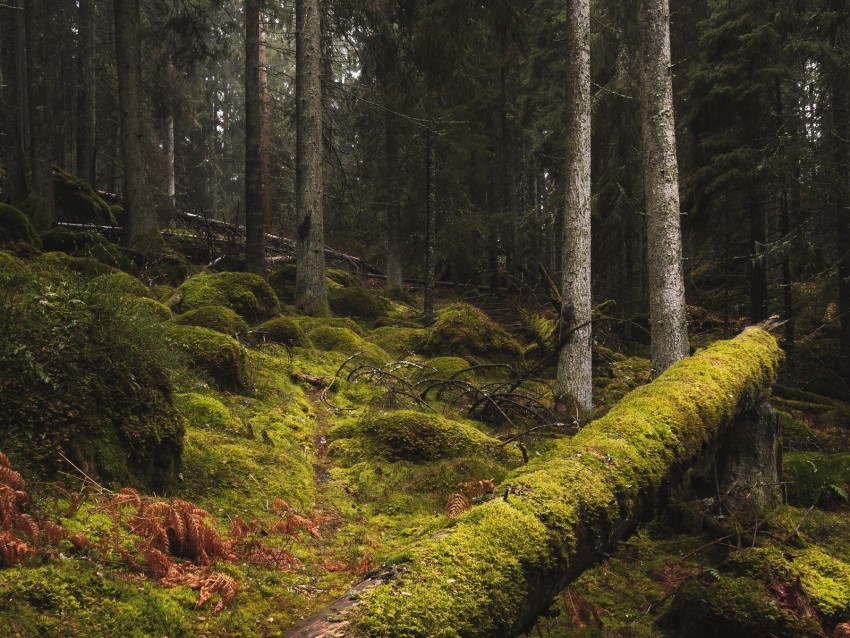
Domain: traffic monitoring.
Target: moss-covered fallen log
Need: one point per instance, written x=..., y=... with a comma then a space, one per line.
x=500, y=565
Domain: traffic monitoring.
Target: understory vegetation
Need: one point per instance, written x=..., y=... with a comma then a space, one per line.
x=195, y=458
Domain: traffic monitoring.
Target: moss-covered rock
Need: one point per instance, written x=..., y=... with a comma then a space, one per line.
x=83, y=266
x=400, y=342
x=465, y=331
x=84, y=244
x=815, y=478
x=311, y=323
x=356, y=302
x=218, y=318
x=218, y=356
x=15, y=226
x=341, y=277
x=406, y=435
x=282, y=282
x=248, y=294
x=206, y=412
x=347, y=343
x=283, y=330
x=152, y=307
x=121, y=281
x=168, y=268
x=78, y=202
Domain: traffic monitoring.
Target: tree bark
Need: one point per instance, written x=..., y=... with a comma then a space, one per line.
x=86, y=91
x=311, y=294
x=141, y=228
x=393, y=204
x=40, y=203
x=266, y=134
x=255, y=249
x=11, y=126
x=575, y=370
x=494, y=571
x=667, y=311
x=430, y=224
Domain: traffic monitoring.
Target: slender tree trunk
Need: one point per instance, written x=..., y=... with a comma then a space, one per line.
x=758, y=261
x=430, y=224
x=667, y=312
x=311, y=294
x=575, y=373
x=141, y=228
x=86, y=89
x=170, y=157
x=40, y=203
x=266, y=137
x=11, y=142
x=255, y=257
x=393, y=205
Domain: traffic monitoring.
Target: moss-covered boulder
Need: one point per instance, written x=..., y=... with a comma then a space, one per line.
x=406, y=435
x=152, y=307
x=248, y=294
x=84, y=244
x=78, y=202
x=282, y=282
x=814, y=478
x=84, y=266
x=446, y=368
x=217, y=356
x=206, y=412
x=311, y=323
x=85, y=374
x=340, y=277
x=15, y=226
x=356, y=302
x=465, y=331
x=218, y=318
x=401, y=342
x=123, y=282
x=347, y=343
x=168, y=268
x=283, y=330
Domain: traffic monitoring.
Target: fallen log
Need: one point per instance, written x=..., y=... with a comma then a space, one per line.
x=499, y=566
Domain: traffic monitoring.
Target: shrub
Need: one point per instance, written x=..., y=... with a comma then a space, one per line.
x=248, y=294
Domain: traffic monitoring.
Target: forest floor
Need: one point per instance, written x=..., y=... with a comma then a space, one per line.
x=301, y=498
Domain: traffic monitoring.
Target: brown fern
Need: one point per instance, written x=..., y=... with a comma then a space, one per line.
x=11, y=478
x=13, y=550
x=4, y=460
x=217, y=583
x=474, y=489
x=456, y=505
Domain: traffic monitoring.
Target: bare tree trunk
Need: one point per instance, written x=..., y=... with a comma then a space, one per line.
x=266, y=136
x=393, y=204
x=40, y=204
x=11, y=139
x=575, y=370
x=311, y=294
x=255, y=250
x=86, y=88
x=758, y=260
x=141, y=229
x=430, y=224
x=667, y=312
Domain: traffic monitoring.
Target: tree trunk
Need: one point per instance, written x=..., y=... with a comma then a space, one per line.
x=11, y=143
x=497, y=568
x=758, y=260
x=266, y=134
x=86, y=88
x=430, y=224
x=393, y=203
x=255, y=249
x=56, y=71
x=667, y=312
x=575, y=370
x=141, y=229
x=40, y=204
x=311, y=294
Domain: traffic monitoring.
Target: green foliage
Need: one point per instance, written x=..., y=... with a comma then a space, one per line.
x=86, y=373
x=248, y=294
x=15, y=226
x=217, y=356
x=283, y=330
x=463, y=330
x=218, y=318
x=815, y=478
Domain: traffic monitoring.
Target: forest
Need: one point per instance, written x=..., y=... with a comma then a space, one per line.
x=424, y=318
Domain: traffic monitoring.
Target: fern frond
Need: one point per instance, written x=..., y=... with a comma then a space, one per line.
x=456, y=505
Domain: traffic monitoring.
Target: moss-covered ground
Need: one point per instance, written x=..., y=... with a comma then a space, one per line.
x=314, y=436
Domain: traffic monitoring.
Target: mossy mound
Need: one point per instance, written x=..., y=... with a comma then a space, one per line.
x=168, y=268
x=206, y=412
x=283, y=330
x=282, y=282
x=356, y=302
x=248, y=294
x=341, y=277
x=86, y=267
x=15, y=226
x=152, y=307
x=311, y=323
x=84, y=244
x=401, y=342
x=464, y=330
x=123, y=282
x=347, y=342
x=406, y=435
x=218, y=318
x=86, y=374
x=818, y=479
x=77, y=202
x=218, y=356
x=445, y=368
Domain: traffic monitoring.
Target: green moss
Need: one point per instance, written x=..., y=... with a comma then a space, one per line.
x=218, y=318
x=400, y=342
x=168, y=268
x=341, y=277
x=84, y=266
x=15, y=226
x=203, y=411
x=817, y=479
x=826, y=580
x=347, y=343
x=77, y=202
x=465, y=331
x=126, y=284
x=84, y=244
x=283, y=330
x=311, y=323
x=152, y=307
x=417, y=436
x=217, y=356
x=445, y=368
x=248, y=294
x=282, y=282
x=356, y=302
